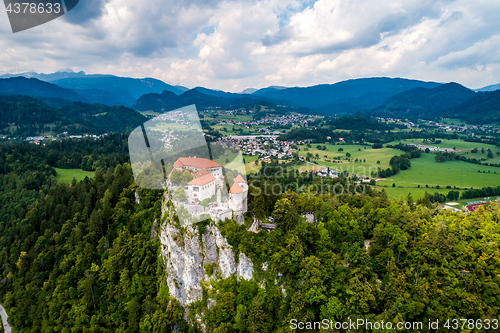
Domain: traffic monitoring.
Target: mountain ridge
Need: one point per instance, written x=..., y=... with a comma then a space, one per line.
x=37, y=88
x=491, y=87
x=354, y=94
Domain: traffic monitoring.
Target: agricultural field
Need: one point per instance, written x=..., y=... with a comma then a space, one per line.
x=230, y=129
x=150, y=113
x=67, y=175
x=248, y=167
x=480, y=156
x=454, y=143
x=368, y=157
x=426, y=171
x=416, y=193
x=237, y=117
x=235, y=129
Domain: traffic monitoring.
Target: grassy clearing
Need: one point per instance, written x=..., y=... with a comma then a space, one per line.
x=248, y=167
x=67, y=175
x=234, y=118
x=457, y=144
x=232, y=129
x=367, y=158
x=230, y=157
x=150, y=113
x=416, y=193
x=426, y=170
x=479, y=155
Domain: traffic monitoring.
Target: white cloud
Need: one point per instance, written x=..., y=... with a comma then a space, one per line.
x=233, y=45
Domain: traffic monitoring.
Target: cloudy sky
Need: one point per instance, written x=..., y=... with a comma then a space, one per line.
x=233, y=45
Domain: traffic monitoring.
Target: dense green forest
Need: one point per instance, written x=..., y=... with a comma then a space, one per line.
x=77, y=257
x=107, y=118
x=421, y=264
x=23, y=116
x=84, y=257
x=421, y=102
x=484, y=108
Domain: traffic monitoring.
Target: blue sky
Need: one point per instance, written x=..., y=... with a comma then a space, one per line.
x=233, y=45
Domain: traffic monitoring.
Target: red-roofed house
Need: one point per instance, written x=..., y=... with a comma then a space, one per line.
x=195, y=164
x=206, y=173
x=208, y=182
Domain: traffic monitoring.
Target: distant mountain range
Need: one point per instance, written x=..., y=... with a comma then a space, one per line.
x=113, y=90
x=249, y=91
x=493, y=87
x=347, y=96
x=391, y=97
x=64, y=74
x=341, y=98
x=37, y=88
x=201, y=97
x=104, y=89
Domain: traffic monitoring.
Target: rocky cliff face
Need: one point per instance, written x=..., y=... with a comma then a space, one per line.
x=192, y=259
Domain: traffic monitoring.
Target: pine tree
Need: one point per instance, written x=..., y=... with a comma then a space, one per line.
x=257, y=319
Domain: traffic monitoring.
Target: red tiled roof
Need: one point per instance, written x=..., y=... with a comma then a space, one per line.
x=235, y=188
x=203, y=179
x=239, y=179
x=202, y=172
x=201, y=163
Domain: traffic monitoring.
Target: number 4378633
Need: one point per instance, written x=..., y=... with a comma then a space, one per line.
x=33, y=8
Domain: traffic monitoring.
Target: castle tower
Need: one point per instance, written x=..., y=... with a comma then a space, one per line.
x=238, y=198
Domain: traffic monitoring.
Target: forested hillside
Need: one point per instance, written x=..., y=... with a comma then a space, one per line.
x=85, y=256
x=484, y=108
x=27, y=116
x=77, y=257
x=345, y=97
x=201, y=97
x=107, y=118
x=421, y=102
x=23, y=116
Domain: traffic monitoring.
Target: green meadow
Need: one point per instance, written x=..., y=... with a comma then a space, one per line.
x=67, y=175
x=367, y=158
x=426, y=171
x=416, y=193
x=454, y=143
x=480, y=156
x=248, y=167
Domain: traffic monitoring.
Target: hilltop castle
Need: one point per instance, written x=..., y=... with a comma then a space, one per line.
x=208, y=182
